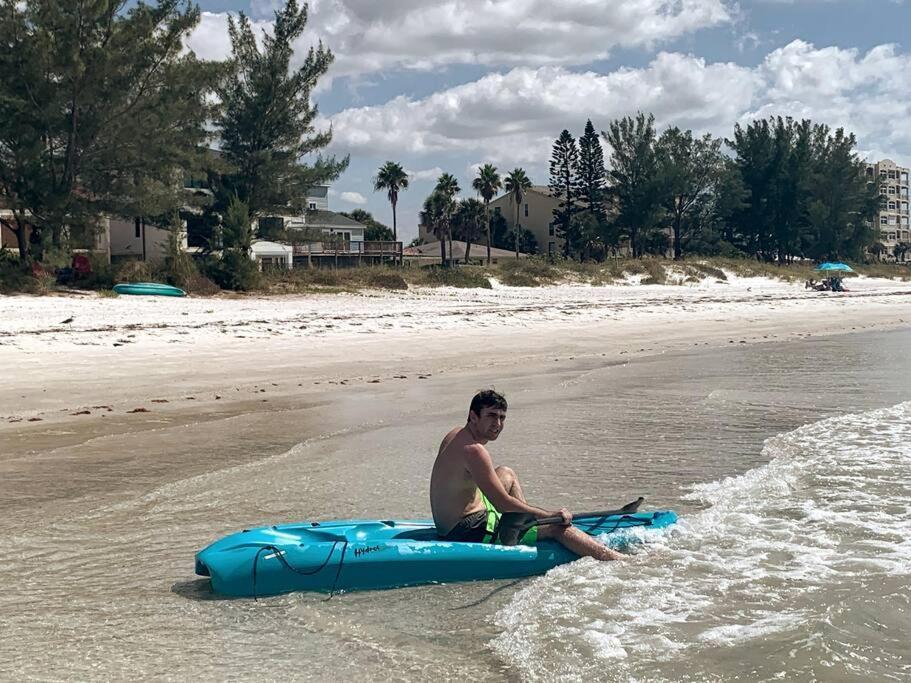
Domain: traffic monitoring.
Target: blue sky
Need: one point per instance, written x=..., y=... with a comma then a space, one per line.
x=446, y=85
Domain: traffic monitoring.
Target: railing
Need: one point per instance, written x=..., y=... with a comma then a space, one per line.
x=367, y=248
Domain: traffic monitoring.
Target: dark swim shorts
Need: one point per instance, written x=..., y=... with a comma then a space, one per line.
x=481, y=527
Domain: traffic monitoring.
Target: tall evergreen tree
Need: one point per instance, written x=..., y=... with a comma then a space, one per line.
x=564, y=160
x=590, y=178
x=689, y=170
x=807, y=194
x=266, y=119
x=633, y=181
x=100, y=109
x=487, y=184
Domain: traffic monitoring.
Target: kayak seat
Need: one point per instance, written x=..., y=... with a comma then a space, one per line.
x=424, y=534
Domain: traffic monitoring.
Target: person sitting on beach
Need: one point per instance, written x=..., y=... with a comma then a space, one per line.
x=468, y=494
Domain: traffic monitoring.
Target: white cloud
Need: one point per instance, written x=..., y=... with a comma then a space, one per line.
x=425, y=174
x=353, y=198
x=371, y=36
x=513, y=117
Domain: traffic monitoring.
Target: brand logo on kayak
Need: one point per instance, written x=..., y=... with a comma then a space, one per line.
x=367, y=549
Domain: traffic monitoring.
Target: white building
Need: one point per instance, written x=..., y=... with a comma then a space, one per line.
x=894, y=217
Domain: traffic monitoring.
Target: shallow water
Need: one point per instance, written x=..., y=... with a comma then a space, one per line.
x=791, y=561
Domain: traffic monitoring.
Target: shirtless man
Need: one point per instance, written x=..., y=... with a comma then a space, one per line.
x=467, y=494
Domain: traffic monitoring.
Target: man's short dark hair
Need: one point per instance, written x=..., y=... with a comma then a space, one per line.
x=487, y=399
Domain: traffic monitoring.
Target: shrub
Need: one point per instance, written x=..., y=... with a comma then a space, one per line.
x=235, y=270
x=386, y=279
x=530, y=272
x=465, y=277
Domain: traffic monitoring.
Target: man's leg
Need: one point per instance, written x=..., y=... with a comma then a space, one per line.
x=578, y=541
x=510, y=482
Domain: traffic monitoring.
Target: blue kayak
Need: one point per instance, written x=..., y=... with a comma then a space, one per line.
x=370, y=554
x=148, y=289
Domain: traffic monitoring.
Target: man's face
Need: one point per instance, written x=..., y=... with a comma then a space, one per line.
x=489, y=423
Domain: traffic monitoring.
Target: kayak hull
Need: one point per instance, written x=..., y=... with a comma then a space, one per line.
x=369, y=554
x=148, y=289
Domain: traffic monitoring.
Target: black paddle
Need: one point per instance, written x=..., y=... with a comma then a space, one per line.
x=514, y=524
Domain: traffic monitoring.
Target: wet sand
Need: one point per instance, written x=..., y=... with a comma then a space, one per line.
x=99, y=437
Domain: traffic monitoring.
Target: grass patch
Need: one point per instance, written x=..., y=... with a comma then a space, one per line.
x=530, y=272
x=887, y=270
x=465, y=277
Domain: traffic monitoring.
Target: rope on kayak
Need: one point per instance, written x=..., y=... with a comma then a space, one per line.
x=280, y=554
x=622, y=523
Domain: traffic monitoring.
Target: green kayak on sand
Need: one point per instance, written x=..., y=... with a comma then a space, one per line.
x=148, y=289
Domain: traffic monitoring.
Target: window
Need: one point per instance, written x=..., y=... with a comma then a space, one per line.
x=313, y=206
x=904, y=207
x=891, y=206
x=551, y=248
x=551, y=231
x=137, y=228
x=891, y=189
x=904, y=220
x=882, y=173
x=526, y=209
x=904, y=178
x=884, y=220
x=869, y=170
x=891, y=174
x=496, y=210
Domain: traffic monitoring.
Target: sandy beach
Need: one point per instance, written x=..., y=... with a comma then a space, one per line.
x=85, y=367
x=159, y=412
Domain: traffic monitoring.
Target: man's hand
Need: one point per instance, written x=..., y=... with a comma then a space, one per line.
x=565, y=514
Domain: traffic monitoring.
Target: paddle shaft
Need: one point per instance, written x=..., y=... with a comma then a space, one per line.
x=581, y=515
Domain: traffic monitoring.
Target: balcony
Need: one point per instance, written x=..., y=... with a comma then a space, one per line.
x=350, y=248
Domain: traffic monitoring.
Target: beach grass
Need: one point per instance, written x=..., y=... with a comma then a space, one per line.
x=528, y=272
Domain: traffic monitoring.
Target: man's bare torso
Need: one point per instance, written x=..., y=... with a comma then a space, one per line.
x=453, y=493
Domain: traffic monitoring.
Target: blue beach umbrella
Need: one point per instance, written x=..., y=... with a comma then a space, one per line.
x=830, y=268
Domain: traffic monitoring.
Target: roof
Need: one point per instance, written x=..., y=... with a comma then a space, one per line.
x=267, y=248
x=542, y=190
x=330, y=219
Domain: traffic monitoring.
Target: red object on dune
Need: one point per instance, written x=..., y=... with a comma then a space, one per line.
x=81, y=264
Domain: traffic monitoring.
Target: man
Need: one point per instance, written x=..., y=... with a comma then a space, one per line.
x=468, y=494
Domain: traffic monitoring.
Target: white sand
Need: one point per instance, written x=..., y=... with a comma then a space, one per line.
x=126, y=348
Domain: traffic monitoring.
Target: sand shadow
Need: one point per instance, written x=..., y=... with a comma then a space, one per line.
x=197, y=589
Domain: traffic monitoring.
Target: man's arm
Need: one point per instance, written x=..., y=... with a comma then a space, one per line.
x=480, y=466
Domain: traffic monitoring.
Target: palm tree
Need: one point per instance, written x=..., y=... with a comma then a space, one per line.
x=467, y=219
x=433, y=218
x=448, y=187
x=392, y=178
x=516, y=185
x=487, y=184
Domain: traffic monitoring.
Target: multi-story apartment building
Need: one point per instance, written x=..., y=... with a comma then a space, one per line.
x=536, y=214
x=894, y=217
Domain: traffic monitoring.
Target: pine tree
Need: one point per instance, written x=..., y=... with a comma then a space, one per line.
x=634, y=184
x=564, y=160
x=590, y=174
x=266, y=120
x=101, y=109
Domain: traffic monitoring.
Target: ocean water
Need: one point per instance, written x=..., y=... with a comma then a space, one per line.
x=796, y=570
x=788, y=463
